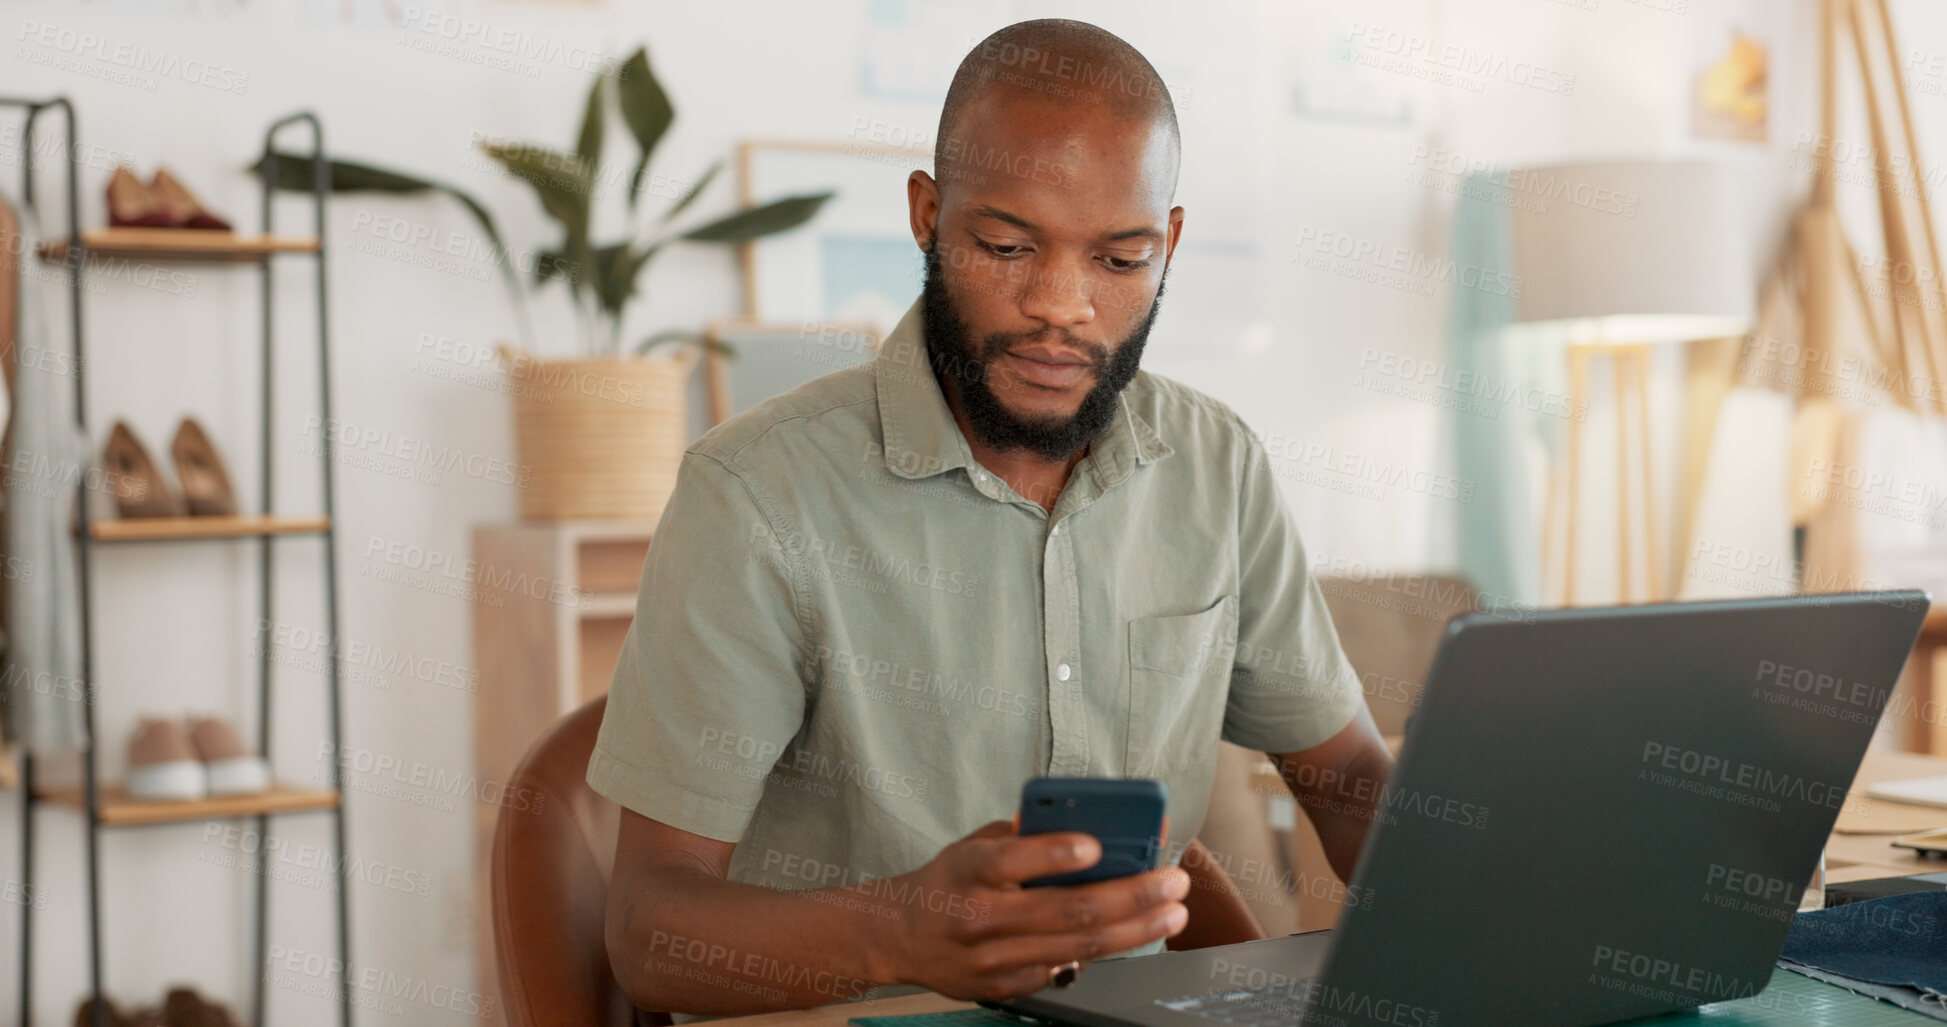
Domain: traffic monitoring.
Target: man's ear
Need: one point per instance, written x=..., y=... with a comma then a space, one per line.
x=923, y=207
x=1175, y=233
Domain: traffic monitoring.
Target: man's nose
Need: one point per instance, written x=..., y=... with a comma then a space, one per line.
x=1058, y=297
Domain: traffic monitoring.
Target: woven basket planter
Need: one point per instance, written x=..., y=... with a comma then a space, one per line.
x=599, y=437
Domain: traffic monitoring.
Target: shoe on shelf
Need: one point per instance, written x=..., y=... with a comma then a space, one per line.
x=138, y=487
x=162, y=763
x=134, y=205
x=183, y=1007
x=84, y=1015
x=230, y=768
x=142, y=1016
x=182, y=207
x=206, y=485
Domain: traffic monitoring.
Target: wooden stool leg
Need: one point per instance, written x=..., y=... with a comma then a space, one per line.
x=1652, y=553
x=1578, y=378
x=1619, y=370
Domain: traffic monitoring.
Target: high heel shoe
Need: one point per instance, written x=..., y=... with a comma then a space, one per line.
x=183, y=208
x=206, y=485
x=138, y=488
x=112, y=1014
x=132, y=204
x=185, y=1007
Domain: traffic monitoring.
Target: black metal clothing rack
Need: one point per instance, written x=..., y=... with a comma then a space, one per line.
x=91, y=805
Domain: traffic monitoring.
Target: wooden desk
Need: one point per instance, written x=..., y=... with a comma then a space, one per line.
x=1849, y=857
x=837, y=1015
x=1873, y=854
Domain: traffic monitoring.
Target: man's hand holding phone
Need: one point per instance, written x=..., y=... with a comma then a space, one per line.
x=967, y=928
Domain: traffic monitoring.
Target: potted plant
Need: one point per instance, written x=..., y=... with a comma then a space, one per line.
x=600, y=434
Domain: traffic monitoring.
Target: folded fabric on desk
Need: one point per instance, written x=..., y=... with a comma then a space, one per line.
x=1894, y=949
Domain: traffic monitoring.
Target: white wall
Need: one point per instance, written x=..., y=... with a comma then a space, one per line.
x=176, y=627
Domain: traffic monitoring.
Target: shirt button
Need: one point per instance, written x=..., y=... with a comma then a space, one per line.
x=1061, y=672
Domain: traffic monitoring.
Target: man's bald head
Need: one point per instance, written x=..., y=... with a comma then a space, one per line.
x=1061, y=63
x=1048, y=225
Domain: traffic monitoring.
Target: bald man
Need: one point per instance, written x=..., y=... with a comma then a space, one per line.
x=880, y=603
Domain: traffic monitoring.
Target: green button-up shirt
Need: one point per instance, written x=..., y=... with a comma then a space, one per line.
x=853, y=644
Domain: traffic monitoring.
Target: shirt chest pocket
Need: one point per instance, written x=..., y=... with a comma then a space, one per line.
x=1179, y=671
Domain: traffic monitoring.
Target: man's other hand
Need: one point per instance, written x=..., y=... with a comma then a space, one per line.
x=967, y=929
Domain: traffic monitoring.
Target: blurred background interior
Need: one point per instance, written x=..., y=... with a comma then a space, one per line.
x=1532, y=302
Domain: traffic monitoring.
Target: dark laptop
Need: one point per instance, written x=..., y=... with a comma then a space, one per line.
x=1598, y=814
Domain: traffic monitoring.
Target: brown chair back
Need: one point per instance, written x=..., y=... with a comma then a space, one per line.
x=1390, y=627
x=553, y=859
x=551, y=866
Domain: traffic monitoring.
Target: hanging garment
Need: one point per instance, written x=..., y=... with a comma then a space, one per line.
x=46, y=461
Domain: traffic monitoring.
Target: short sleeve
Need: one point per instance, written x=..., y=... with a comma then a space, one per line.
x=1291, y=686
x=707, y=691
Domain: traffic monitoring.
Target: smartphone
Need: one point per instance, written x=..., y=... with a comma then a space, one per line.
x=1124, y=814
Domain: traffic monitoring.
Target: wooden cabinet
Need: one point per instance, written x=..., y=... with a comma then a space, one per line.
x=552, y=603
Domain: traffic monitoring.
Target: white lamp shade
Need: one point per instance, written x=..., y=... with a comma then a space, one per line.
x=1650, y=251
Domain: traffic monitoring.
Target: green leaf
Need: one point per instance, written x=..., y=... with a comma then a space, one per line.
x=604, y=259
x=616, y=269
x=678, y=335
x=694, y=191
x=294, y=175
x=344, y=176
x=769, y=219
x=560, y=181
x=588, y=145
x=645, y=109
x=552, y=264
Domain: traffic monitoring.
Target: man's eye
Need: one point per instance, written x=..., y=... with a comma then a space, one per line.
x=1119, y=264
x=1000, y=251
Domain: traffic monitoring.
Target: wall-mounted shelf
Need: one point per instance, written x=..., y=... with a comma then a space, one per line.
x=180, y=244
x=118, y=810
x=166, y=529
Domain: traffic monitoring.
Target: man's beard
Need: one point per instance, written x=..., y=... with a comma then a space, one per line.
x=954, y=353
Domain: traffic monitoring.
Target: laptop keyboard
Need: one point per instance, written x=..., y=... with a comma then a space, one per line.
x=1248, y=1007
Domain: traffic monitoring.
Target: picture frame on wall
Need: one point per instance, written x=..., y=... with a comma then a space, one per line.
x=747, y=361
x=856, y=262
x=1334, y=77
